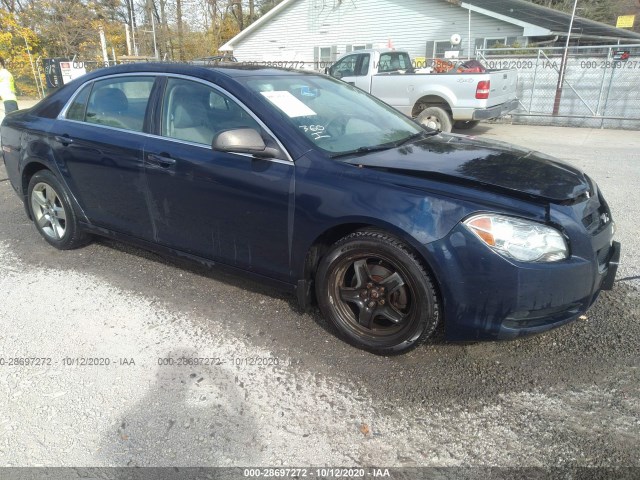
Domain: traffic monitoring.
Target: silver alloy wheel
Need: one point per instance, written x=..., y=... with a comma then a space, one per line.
x=48, y=211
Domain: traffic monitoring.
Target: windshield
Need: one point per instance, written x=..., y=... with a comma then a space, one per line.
x=336, y=117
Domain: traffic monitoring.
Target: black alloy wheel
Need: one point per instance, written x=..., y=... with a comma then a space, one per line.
x=377, y=293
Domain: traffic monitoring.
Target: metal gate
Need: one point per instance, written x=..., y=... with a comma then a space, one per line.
x=601, y=86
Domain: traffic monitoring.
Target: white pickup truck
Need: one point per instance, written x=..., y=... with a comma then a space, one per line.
x=437, y=100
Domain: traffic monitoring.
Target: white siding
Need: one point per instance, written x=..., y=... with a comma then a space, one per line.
x=294, y=32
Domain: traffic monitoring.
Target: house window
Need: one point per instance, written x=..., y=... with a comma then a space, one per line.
x=325, y=54
x=495, y=42
x=359, y=47
x=440, y=47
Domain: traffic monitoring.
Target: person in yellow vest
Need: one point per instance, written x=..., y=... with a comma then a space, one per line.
x=7, y=89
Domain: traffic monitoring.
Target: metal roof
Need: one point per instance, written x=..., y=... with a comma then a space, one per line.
x=536, y=19
x=555, y=21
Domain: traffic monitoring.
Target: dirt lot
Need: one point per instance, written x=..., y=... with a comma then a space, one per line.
x=283, y=390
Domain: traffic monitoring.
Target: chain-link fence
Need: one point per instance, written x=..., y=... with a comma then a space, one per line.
x=601, y=87
x=44, y=71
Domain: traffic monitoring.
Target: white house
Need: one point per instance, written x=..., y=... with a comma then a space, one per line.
x=321, y=30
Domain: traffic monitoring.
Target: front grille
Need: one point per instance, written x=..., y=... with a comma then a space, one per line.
x=604, y=255
x=596, y=214
x=545, y=316
x=591, y=221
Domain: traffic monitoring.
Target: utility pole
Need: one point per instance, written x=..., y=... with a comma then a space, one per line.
x=563, y=64
x=133, y=27
x=180, y=35
x=155, y=43
x=128, y=34
x=103, y=44
x=151, y=8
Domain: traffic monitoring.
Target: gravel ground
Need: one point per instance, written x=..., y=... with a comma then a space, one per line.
x=569, y=397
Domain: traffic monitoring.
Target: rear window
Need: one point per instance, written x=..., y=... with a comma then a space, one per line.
x=392, y=61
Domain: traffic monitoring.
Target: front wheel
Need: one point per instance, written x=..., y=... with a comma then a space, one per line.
x=377, y=293
x=52, y=213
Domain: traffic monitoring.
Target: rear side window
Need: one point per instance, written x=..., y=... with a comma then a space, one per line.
x=119, y=102
x=78, y=107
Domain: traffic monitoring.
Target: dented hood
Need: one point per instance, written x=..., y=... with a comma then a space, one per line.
x=492, y=164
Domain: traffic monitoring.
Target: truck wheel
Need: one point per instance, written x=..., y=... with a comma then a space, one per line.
x=435, y=118
x=377, y=293
x=465, y=124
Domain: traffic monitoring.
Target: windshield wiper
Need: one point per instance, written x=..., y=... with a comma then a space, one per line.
x=386, y=146
x=415, y=136
x=375, y=148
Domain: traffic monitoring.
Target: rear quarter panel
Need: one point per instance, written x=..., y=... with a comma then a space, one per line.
x=403, y=91
x=11, y=141
x=503, y=86
x=24, y=141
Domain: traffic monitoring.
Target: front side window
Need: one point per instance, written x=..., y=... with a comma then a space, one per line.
x=336, y=117
x=119, y=102
x=195, y=112
x=345, y=67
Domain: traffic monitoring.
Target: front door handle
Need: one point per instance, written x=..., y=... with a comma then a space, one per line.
x=163, y=160
x=63, y=139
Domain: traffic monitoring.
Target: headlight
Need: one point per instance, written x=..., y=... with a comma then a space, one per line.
x=519, y=239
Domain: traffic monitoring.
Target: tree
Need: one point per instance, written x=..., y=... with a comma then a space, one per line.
x=16, y=43
x=605, y=11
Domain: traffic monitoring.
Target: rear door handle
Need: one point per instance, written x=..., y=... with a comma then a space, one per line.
x=63, y=139
x=162, y=160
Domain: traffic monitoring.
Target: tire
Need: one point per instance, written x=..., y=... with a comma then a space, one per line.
x=377, y=293
x=52, y=214
x=436, y=118
x=465, y=124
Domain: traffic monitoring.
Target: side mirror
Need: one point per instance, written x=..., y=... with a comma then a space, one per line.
x=337, y=75
x=243, y=140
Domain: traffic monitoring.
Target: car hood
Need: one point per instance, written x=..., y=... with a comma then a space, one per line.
x=492, y=164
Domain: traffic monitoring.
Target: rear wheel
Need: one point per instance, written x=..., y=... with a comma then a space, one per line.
x=376, y=292
x=52, y=214
x=465, y=124
x=436, y=118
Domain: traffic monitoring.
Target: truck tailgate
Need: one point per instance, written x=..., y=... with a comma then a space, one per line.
x=503, y=86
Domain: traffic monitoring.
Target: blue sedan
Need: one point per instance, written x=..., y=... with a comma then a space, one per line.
x=316, y=186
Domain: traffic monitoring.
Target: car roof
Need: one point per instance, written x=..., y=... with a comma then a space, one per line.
x=231, y=69
x=50, y=106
